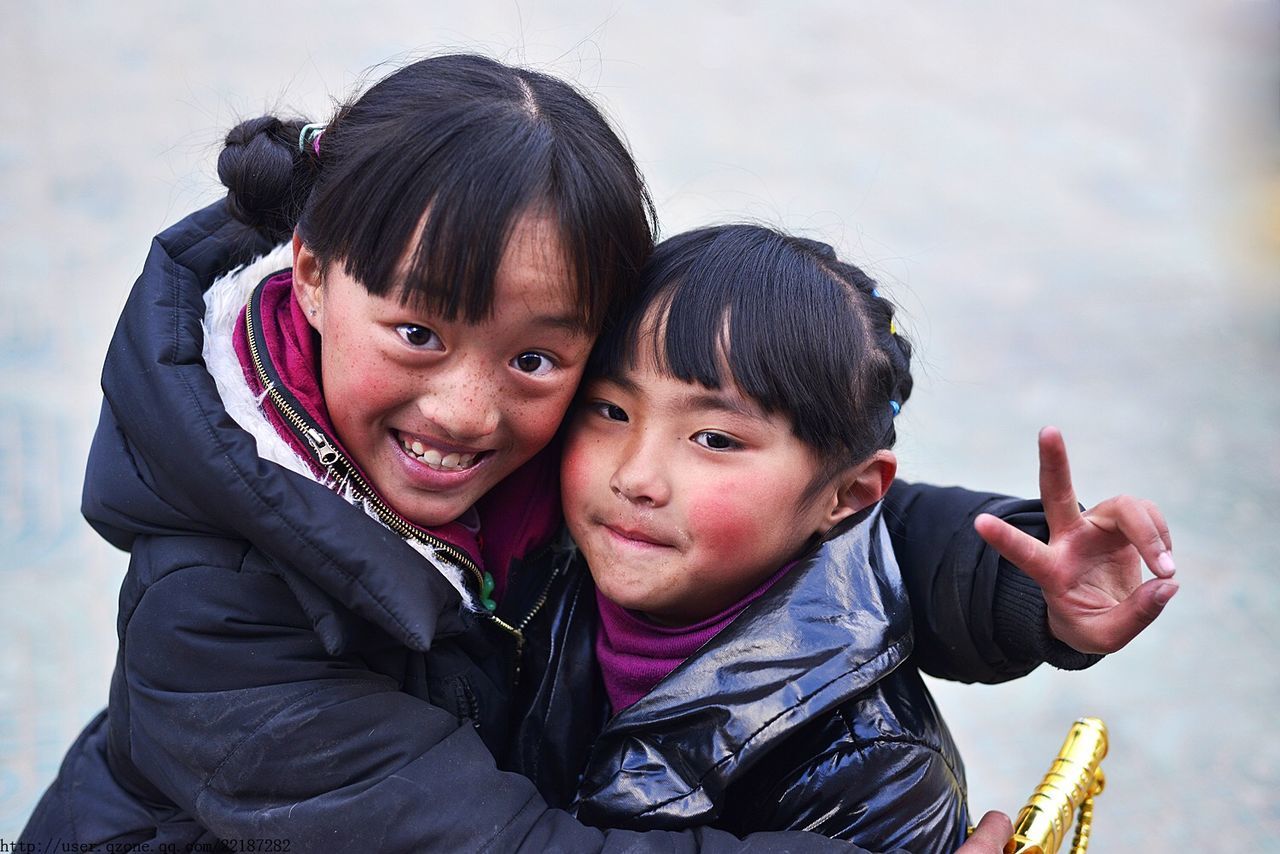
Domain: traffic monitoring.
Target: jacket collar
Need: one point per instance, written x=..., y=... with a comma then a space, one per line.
x=832, y=627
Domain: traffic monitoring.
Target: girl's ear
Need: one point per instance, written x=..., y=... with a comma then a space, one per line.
x=307, y=282
x=860, y=486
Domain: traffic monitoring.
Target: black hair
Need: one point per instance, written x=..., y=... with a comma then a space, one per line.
x=799, y=331
x=476, y=144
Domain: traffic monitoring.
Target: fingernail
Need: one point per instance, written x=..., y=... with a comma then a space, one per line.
x=1165, y=592
x=1165, y=561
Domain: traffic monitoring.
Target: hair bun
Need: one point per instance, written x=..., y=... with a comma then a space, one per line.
x=266, y=177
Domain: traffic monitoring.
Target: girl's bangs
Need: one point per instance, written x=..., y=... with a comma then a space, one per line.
x=742, y=305
x=437, y=238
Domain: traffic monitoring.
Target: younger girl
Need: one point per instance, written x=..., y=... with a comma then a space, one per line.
x=722, y=480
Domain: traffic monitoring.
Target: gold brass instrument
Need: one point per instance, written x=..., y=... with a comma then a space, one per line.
x=1073, y=780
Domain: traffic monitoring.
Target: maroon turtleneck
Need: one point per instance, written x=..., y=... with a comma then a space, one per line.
x=635, y=653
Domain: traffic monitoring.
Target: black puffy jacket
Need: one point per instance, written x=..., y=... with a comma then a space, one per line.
x=805, y=712
x=289, y=670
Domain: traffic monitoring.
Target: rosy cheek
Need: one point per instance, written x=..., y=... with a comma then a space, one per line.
x=582, y=468
x=363, y=390
x=374, y=381
x=728, y=517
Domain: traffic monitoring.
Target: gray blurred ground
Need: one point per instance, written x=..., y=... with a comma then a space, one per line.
x=1078, y=206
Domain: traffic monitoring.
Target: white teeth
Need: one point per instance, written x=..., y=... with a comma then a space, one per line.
x=436, y=460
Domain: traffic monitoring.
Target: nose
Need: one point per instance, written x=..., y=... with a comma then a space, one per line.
x=464, y=404
x=641, y=475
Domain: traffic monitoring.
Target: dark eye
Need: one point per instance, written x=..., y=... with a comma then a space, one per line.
x=609, y=411
x=419, y=337
x=534, y=364
x=715, y=441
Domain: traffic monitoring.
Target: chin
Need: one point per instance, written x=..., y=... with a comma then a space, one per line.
x=620, y=595
x=430, y=514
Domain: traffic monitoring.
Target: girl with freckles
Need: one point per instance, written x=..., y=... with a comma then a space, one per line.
x=724, y=481
x=327, y=442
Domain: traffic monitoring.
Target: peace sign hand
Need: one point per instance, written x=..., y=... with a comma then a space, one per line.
x=1091, y=568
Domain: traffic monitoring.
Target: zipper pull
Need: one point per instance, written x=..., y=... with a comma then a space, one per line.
x=325, y=452
x=486, y=593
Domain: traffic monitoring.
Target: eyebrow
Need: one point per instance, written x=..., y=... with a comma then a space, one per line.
x=719, y=402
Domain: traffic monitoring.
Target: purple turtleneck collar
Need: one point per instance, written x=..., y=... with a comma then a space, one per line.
x=635, y=653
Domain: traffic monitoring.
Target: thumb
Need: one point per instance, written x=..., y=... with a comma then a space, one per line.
x=989, y=836
x=1135, y=613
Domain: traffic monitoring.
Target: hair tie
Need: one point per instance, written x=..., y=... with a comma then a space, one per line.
x=310, y=134
x=896, y=407
x=893, y=327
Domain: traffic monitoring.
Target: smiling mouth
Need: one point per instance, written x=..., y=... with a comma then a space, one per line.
x=434, y=458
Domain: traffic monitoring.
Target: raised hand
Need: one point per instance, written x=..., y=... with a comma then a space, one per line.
x=1091, y=568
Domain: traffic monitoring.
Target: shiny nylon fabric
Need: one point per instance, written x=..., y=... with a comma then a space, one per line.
x=802, y=714
x=779, y=664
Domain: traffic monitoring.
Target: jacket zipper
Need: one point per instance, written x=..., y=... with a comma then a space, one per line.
x=469, y=703
x=340, y=467
x=518, y=629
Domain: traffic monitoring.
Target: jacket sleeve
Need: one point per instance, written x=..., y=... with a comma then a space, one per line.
x=978, y=618
x=239, y=715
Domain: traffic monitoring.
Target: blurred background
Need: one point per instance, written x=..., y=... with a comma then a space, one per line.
x=1076, y=205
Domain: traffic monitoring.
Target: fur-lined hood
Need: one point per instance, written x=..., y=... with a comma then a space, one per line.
x=183, y=449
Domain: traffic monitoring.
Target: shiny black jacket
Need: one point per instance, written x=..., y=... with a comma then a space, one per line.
x=289, y=669
x=806, y=713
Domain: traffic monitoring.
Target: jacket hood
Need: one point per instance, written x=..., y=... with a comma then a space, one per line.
x=172, y=456
x=833, y=626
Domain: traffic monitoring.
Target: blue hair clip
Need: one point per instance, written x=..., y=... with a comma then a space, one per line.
x=875, y=292
x=896, y=407
x=310, y=134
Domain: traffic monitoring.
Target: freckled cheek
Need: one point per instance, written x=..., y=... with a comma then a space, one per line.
x=536, y=420
x=374, y=387
x=359, y=389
